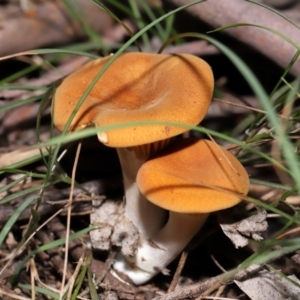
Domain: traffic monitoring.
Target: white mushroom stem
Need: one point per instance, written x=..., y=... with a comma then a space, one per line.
x=146, y=217
x=154, y=255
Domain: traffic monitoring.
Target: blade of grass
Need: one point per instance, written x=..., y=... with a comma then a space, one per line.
x=297, y=47
x=270, y=184
x=80, y=278
x=274, y=11
x=81, y=18
x=285, y=73
x=21, y=194
x=41, y=290
x=286, y=145
x=73, y=136
x=22, y=87
x=45, y=247
x=263, y=254
x=19, y=103
x=13, y=183
x=109, y=12
x=124, y=8
x=141, y=24
x=20, y=171
x=12, y=220
x=50, y=51
x=43, y=105
x=163, y=35
x=92, y=288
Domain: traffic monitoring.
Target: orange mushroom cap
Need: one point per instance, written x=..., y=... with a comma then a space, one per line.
x=137, y=87
x=182, y=178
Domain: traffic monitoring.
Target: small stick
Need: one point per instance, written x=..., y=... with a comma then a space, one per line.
x=69, y=221
x=177, y=274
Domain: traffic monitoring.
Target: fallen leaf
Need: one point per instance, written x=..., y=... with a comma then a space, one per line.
x=114, y=228
x=20, y=156
x=267, y=285
x=240, y=232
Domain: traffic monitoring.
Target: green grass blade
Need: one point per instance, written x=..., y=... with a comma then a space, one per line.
x=73, y=136
x=285, y=143
x=50, y=51
x=12, y=220
x=42, y=290
x=81, y=18
x=13, y=183
x=163, y=35
x=48, y=246
x=19, y=103
x=258, y=26
x=20, y=194
x=274, y=11
x=140, y=23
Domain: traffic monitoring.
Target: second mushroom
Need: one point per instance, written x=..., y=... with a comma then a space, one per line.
x=191, y=178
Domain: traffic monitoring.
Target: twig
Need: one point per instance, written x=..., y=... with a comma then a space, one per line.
x=177, y=274
x=208, y=286
x=52, y=24
x=108, y=263
x=69, y=221
x=51, y=200
x=211, y=284
x=219, y=13
x=44, y=80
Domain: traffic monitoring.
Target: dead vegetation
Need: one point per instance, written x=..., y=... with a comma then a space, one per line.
x=46, y=196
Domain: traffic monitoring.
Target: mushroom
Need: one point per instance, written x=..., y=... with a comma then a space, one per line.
x=191, y=178
x=137, y=87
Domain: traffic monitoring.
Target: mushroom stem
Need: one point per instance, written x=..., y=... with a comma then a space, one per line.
x=145, y=216
x=154, y=255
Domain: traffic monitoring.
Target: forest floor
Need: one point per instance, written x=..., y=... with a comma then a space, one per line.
x=48, y=189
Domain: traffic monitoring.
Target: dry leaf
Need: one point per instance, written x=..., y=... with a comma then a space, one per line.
x=250, y=227
x=270, y=285
x=20, y=156
x=114, y=229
